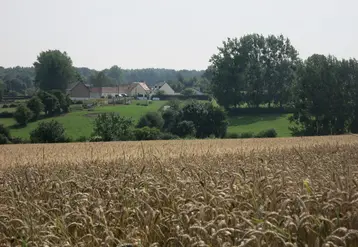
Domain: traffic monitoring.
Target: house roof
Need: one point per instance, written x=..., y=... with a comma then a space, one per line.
x=160, y=84
x=144, y=86
x=96, y=90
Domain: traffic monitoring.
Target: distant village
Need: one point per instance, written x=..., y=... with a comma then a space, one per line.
x=83, y=91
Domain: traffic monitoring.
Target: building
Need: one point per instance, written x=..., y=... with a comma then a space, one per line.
x=83, y=91
x=163, y=86
x=79, y=90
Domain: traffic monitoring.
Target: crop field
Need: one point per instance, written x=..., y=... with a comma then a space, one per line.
x=253, y=192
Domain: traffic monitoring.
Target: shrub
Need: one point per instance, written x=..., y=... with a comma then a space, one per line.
x=171, y=118
x=138, y=103
x=50, y=102
x=23, y=115
x=152, y=120
x=48, y=132
x=233, y=135
x=146, y=133
x=95, y=139
x=270, y=133
x=247, y=135
x=113, y=127
x=36, y=106
x=168, y=136
x=78, y=102
x=5, y=136
x=12, y=105
x=5, y=106
x=4, y=140
x=185, y=129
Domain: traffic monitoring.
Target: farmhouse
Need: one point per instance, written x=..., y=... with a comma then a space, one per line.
x=81, y=90
x=163, y=86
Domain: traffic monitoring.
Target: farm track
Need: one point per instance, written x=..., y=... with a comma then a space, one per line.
x=256, y=192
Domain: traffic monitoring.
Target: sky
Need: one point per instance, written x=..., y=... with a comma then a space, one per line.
x=181, y=34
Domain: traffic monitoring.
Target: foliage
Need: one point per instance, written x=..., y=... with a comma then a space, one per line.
x=270, y=133
x=168, y=136
x=113, y=127
x=152, y=120
x=254, y=70
x=36, y=106
x=5, y=136
x=146, y=133
x=63, y=100
x=50, y=102
x=23, y=115
x=208, y=119
x=53, y=70
x=325, y=96
x=247, y=135
x=171, y=117
x=48, y=132
x=188, y=92
x=185, y=129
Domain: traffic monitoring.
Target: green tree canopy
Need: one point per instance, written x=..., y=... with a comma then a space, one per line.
x=54, y=70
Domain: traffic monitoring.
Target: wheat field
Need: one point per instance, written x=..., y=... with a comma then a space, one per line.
x=258, y=192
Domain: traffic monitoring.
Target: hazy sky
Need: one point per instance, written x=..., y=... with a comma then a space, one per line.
x=167, y=33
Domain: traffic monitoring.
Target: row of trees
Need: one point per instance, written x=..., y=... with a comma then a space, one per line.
x=50, y=103
x=58, y=66
x=253, y=70
x=321, y=91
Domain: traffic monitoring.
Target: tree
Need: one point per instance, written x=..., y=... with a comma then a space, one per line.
x=254, y=70
x=185, y=129
x=151, y=120
x=116, y=74
x=50, y=103
x=5, y=137
x=100, y=80
x=53, y=70
x=2, y=89
x=48, y=132
x=146, y=133
x=188, y=92
x=321, y=97
x=113, y=127
x=23, y=115
x=36, y=106
x=62, y=100
x=171, y=118
x=208, y=119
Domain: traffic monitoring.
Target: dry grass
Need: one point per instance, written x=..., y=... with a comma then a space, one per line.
x=282, y=192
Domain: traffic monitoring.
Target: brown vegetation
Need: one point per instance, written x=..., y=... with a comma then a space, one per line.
x=279, y=192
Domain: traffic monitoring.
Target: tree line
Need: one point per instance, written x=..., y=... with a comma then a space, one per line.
x=21, y=80
x=255, y=71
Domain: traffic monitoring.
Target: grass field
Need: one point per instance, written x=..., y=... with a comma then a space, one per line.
x=271, y=192
x=79, y=123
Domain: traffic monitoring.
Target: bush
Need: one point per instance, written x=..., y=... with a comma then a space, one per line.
x=171, y=118
x=270, y=133
x=50, y=102
x=168, y=136
x=36, y=106
x=4, y=135
x=185, y=129
x=247, y=135
x=78, y=102
x=23, y=115
x=6, y=114
x=232, y=135
x=95, y=139
x=146, y=133
x=4, y=140
x=5, y=106
x=151, y=120
x=113, y=127
x=138, y=103
x=13, y=105
x=48, y=132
